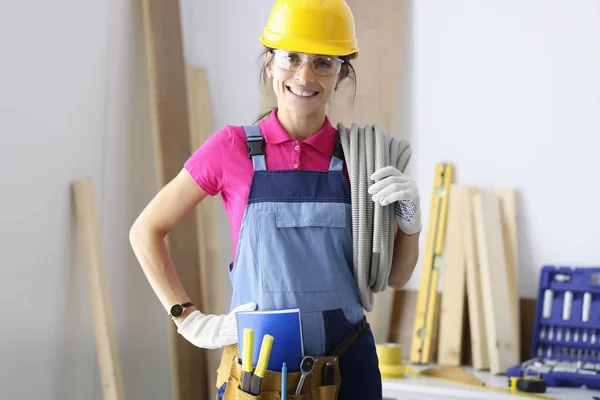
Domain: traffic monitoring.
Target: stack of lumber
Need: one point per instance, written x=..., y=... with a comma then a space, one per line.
x=480, y=268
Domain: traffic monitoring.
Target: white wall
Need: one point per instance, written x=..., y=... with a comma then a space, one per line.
x=509, y=91
x=522, y=75
x=73, y=103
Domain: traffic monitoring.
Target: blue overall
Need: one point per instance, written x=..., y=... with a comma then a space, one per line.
x=295, y=250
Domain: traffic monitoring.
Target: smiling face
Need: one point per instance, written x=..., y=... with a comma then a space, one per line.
x=299, y=89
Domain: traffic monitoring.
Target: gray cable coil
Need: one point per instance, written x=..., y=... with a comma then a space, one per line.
x=365, y=151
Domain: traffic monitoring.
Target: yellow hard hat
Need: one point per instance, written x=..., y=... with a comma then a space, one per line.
x=311, y=26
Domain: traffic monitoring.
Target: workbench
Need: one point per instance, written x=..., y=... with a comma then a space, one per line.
x=413, y=387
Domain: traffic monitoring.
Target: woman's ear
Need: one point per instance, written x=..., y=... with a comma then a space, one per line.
x=268, y=69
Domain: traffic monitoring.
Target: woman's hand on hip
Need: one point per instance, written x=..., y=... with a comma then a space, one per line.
x=212, y=331
x=392, y=186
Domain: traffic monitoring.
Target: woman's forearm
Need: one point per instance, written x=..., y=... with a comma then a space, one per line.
x=148, y=233
x=153, y=256
x=404, y=260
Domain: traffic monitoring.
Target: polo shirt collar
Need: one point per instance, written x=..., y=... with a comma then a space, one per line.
x=323, y=140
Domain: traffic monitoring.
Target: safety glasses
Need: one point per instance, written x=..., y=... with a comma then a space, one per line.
x=321, y=65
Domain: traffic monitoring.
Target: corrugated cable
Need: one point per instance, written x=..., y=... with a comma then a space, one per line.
x=367, y=149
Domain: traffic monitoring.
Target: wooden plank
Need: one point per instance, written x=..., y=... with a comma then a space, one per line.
x=499, y=318
x=167, y=76
x=86, y=211
x=508, y=202
x=377, y=83
x=404, y=312
x=206, y=213
x=479, y=350
x=453, y=299
x=375, y=99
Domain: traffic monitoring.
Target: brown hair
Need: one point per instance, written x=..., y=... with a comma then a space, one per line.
x=347, y=71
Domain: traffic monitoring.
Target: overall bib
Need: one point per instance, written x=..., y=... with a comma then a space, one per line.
x=295, y=249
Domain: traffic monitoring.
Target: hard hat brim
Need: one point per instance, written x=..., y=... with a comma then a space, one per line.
x=302, y=45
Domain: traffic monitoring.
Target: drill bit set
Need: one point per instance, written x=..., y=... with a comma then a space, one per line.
x=566, y=340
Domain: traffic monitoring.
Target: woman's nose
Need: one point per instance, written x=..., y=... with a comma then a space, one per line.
x=305, y=73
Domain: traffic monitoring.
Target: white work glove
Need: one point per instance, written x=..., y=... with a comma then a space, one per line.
x=392, y=186
x=212, y=331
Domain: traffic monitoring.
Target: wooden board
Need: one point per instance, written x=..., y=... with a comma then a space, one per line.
x=377, y=66
x=508, y=203
x=499, y=318
x=206, y=213
x=376, y=92
x=453, y=298
x=167, y=76
x=479, y=349
x=403, y=314
x=86, y=211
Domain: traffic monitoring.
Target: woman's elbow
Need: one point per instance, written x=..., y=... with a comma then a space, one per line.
x=140, y=231
x=134, y=233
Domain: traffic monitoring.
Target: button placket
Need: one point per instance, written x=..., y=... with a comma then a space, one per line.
x=296, y=164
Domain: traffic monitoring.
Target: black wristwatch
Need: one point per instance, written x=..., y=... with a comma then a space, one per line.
x=177, y=309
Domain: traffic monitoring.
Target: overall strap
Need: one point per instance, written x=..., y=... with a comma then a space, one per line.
x=347, y=342
x=256, y=147
x=337, y=158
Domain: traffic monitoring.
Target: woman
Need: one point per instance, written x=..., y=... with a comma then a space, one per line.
x=285, y=188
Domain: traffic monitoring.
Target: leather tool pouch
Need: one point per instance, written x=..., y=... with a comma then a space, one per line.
x=230, y=371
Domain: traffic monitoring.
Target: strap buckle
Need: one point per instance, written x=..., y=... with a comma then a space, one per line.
x=256, y=147
x=338, y=150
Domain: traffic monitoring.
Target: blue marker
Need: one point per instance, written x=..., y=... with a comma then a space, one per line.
x=284, y=382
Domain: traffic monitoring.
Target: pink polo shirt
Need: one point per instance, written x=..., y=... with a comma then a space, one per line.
x=221, y=164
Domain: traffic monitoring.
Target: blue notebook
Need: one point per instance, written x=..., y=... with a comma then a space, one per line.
x=286, y=328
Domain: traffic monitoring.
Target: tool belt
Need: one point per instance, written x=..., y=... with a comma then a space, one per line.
x=230, y=371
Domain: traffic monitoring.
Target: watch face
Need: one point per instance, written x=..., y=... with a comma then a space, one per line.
x=176, y=310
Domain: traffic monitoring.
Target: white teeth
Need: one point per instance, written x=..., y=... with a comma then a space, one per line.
x=300, y=92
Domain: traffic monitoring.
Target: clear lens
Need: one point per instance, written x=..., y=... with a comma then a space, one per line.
x=321, y=65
